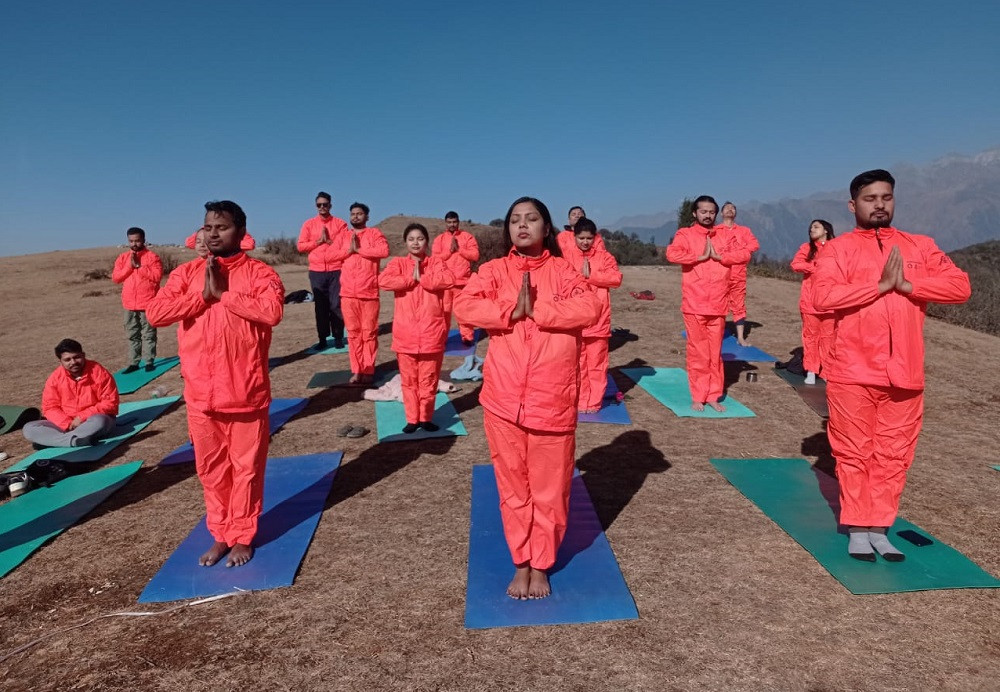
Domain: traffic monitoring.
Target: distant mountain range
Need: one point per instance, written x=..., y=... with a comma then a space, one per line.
x=955, y=199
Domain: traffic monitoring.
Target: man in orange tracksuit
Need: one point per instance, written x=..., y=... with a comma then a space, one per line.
x=139, y=271
x=247, y=244
x=738, y=272
x=878, y=281
x=600, y=270
x=705, y=252
x=459, y=250
x=359, y=293
x=323, y=237
x=79, y=402
x=226, y=304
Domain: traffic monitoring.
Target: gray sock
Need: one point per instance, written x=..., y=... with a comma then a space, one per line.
x=887, y=550
x=858, y=544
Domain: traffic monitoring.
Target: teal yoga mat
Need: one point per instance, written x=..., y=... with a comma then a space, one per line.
x=794, y=495
x=390, y=419
x=133, y=417
x=133, y=381
x=314, y=349
x=14, y=417
x=669, y=386
x=35, y=517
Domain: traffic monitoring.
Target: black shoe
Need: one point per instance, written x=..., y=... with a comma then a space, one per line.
x=150, y=367
x=430, y=427
x=321, y=344
x=338, y=343
x=130, y=369
x=410, y=428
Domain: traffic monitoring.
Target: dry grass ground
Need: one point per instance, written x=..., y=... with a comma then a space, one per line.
x=726, y=599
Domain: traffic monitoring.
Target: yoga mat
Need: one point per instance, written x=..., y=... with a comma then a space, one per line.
x=295, y=491
x=340, y=378
x=30, y=520
x=280, y=412
x=612, y=410
x=814, y=395
x=587, y=585
x=390, y=418
x=731, y=350
x=669, y=386
x=455, y=347
x=793, y=495
x=133, y=417
x=13, y=417
x=313, y=350
x=133, y=381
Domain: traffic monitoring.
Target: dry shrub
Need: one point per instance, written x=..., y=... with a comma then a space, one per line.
x=282, y=251
x=93, y=294
x=490, y=246
x=169, y=262
x=982, y=311
x=97, y=275
x=762, y=265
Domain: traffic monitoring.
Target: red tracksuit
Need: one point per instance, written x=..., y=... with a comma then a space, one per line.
x=419, y=331
x=738, y=272
x=875, y=377
x=530, y=392
x=705, y=302
x=817, y=326
x=460, y=264
x=223, y=347
x=359, y=298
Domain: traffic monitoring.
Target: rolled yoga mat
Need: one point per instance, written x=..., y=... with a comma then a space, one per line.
x=14, y=417
x=390, y=417
x=280, y=412
x=134, y=381
x=30, y=520
x=669, y=386
x=793, y=495
x=612, y=410
x=295, y=492
x=587, y=584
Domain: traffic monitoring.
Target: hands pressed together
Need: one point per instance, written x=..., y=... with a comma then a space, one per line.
x=710, y=252
x=893, y=277
x=215, y=281
x=525, y=301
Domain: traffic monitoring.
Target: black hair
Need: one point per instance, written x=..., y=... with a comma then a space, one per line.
x=362, y=207
x=135, y=230
x=865, y=179
x=324, y=195
x=550, y=235
x=584, y=225
x=68, y=346
x=828, y=227
x=232, y=208
x=416, y=227
x=576, y=207
x=451, y=215
x=704, y=198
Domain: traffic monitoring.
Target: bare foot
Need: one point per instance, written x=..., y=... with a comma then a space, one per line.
x=213, y=554
x=518, y=587
x=590, y=410
x=716, y=406
x=355, y=379
x=239, y=555
x=743, y=342
x=538, y=586
x=697, y=406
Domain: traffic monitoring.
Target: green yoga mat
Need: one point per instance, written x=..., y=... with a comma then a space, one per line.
x=133, y=417
x=35, y=517
x=13, y=417
x=134, y=381
x=793, y=495
x=669, y=386
x=390, y=417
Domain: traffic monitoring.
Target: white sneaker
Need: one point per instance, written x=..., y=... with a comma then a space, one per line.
x=810, y=378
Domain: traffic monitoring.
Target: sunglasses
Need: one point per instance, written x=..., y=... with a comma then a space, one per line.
x=322, y=205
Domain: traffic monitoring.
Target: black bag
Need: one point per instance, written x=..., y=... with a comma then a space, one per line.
x=45, y=472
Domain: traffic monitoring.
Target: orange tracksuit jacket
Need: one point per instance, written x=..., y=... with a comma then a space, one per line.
x=460, y=262
x=875, y=377
x=567, y=242
x=138, y=285
x=64, y=398
x=705, y=284
x=326, y=257
x=738, y=272
x=248, y=243
x=359, y=297
x=817, y=327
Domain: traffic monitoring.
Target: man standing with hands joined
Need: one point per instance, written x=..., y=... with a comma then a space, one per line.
x=227, y=305
x=359, y=293
x=459, y=250
x=743, y=236
x=139, y=271
x=878, y=281
x=326, y=239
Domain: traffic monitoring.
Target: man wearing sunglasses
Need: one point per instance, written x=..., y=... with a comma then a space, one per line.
x=326, y=239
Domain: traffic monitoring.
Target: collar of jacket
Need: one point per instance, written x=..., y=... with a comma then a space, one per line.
x=526, y=263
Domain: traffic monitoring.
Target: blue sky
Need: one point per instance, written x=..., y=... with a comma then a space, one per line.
x=115, y=114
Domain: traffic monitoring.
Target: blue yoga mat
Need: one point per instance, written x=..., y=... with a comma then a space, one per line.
x=133, y=416
x=280, y=412
x=390, y=417
x=612, y=410
x=455, y=347
x=295, y=490
x=587, y=585
x=133, y=381
x=731, y=350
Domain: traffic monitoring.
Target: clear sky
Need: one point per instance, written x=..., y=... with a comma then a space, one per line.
x=115, y=114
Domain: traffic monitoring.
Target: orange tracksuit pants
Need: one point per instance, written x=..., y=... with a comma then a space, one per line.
x=593, y=371
x=466, y=331
x=817, y=340
x=704, y=356
x=419, y=374
x=361, y=322
x=230, y=452
x=873, y=434
x=738, y=299
x=533, y=469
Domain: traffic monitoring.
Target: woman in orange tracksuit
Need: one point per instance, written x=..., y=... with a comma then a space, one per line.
x=600, y=270
x=817, y=325
x=419, y=330
x=534, y=305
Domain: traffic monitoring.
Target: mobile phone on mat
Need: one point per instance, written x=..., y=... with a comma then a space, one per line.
x=915, y=538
